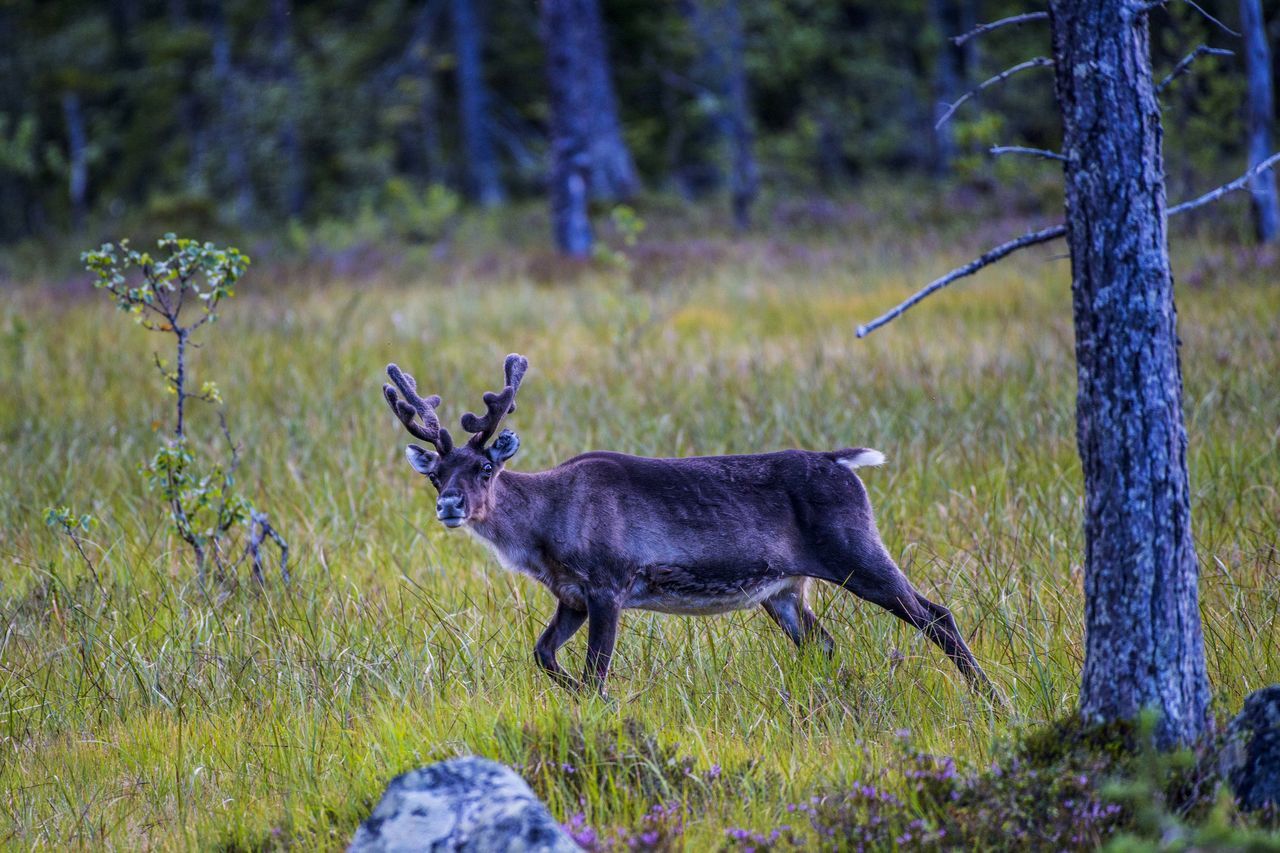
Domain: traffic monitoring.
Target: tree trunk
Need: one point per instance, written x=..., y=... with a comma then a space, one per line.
x=230, y=130
x=1260, y=110
x=1143, y=641
x=574, y=31
x=571, y=129
x=946, y=73
x=423, y=152
x=190, y=112
x=77, y=157
x=717, y=25
x=483, y=176
x=292, y=172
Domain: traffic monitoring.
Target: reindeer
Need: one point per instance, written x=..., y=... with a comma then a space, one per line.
x=702, y=535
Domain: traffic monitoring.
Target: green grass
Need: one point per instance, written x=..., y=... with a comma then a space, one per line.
x=164, y=718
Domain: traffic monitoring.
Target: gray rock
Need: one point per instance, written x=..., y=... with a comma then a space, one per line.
x=1251, y=755
x=463, y=804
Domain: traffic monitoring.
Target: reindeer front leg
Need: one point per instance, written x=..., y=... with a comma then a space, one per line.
x=602, y=632
x=564, y=624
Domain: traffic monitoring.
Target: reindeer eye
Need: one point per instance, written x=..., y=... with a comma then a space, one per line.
x=487, y=470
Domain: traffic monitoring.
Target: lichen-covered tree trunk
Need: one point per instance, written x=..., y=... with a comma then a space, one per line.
x=484, y=182
x=1259, y=112
x=574, y=31
x=1143, y=641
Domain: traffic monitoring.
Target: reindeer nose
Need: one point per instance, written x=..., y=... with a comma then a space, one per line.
x=449, y=508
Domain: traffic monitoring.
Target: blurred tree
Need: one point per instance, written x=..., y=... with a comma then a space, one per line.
x=291, y=163
x=945, y=23
x=717, y=27
x=572, y=127
x=183, y=42
x=1260, y=111
x=231, y=127
x=77, y=157
x=581, y=82
x=483, y=176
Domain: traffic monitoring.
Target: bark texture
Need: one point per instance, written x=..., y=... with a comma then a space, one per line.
x=484, y=182
x=1259, y=112
x=580, y=81
x=1143, y=642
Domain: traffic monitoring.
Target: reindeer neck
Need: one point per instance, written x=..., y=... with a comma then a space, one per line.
x=516, y=512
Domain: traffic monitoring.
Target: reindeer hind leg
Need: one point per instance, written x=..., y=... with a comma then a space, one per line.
x=790, y=610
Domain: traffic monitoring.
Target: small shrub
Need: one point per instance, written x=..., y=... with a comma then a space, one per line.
x=177, y=292
x=75, y=527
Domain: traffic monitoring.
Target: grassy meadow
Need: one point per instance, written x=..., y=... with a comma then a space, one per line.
x=163, y=716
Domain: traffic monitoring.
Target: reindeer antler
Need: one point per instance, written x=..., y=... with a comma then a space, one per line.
x=499, y=404
x=430, y=429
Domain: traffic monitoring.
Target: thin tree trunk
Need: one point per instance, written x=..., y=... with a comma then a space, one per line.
x=1260, y=111
x=1143, y=641
x=425, y=152
x=571, y=126
x=966, y=20
x=946, y=72
x=231, y=131
x=717, y=25
x=574, y=30
x=190, y=113
x=292, y=172
x=77, y=157
x=484, y=181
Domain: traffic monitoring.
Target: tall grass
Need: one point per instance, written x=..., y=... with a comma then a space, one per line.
x=161, y=716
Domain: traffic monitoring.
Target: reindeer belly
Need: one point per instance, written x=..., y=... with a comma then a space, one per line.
x=687, y=592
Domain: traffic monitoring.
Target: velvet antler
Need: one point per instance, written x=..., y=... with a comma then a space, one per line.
x=499, y=404
x=430, y=429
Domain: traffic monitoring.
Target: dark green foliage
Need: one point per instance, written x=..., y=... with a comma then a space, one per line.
x=332, y=118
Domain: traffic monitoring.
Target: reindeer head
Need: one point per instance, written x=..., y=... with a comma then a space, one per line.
x=463, y=476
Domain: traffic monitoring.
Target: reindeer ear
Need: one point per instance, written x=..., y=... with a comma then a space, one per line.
x=504, y=447
x=423, y=461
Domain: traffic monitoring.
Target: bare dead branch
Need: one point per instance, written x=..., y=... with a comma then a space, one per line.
x=1013, y=20
x=1238, y=184
x=1033, y=152
x=1160, y=4
x=1043, y=236
x=1038, y=62
x=260, y=529
x=1194, y=5
x=990, y=257
x=1184, y=64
